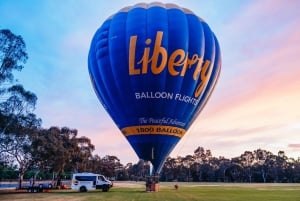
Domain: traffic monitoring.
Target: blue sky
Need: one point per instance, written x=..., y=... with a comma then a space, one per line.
x=256, y=101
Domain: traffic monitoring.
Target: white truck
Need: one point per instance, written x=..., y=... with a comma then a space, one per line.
x=89, y=181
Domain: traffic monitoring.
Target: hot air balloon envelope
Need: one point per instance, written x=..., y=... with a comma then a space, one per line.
x=153, y=67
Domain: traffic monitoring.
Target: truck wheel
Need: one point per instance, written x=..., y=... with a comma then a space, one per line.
x=82, y=189
x=105, y=188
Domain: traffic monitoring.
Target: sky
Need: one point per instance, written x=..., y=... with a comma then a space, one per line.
x=256, y=103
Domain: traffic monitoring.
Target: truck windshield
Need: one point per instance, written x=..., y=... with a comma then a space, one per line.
x=101, y=178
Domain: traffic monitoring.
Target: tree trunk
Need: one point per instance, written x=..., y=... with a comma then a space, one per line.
x=263, y=174
x=21, y=174
x=58, y=182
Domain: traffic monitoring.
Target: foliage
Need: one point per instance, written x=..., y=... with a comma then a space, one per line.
x=257, y=166
x=57, y=149
x=12, y=54
x=7, y=171
x=17, y=121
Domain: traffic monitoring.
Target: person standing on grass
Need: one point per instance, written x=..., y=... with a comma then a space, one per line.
x=31, y=181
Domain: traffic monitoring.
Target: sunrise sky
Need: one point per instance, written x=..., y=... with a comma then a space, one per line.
x=256, y=103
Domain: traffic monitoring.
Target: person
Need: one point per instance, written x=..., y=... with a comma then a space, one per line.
x=31, y=181
x=149, y=184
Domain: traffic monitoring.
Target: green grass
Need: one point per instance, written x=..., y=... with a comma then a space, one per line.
x=187, y=191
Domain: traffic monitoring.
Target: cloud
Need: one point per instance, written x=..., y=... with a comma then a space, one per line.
x=296, y=146
x=257, y=96
x=109, y=140
x=263, y=65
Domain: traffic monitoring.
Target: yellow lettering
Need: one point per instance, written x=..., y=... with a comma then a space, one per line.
x=197, y=69
x=204, y=75
x=172, y=63
x=185, y=65
x=159, y=60
x=158, y=50
x=132, y=45
x=145, y=60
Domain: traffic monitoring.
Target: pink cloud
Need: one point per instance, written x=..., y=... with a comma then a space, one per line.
x=271, y=66
x=295, y=146
x=108, y=140
x=257, y=97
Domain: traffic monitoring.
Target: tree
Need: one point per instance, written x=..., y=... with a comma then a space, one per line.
x=247, y=160
x=202, y=158
x=224, y=164
x=12, y=55
x=187, y=163
x=57, y=149
x=17, y=121
x=281, y=167
x=53, y=149
x=82, y=154
x=110, y=165
x=263, y=164
x=17, y=124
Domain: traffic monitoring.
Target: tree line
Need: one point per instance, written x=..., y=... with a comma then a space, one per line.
x=251, y=166
x=29, y=150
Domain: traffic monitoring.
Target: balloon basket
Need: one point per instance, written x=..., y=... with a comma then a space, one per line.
x=152, y=184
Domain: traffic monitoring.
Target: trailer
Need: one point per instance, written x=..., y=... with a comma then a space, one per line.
x=37, y=188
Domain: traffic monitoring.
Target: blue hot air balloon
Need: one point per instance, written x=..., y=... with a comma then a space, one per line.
x=153, y=67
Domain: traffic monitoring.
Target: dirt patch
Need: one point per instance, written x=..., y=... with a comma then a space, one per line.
x=12, y=191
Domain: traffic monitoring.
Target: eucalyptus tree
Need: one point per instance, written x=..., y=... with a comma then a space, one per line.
x=17, y=120
x=52, y=149
x=60, y=149
x=17, y=124
x=13, y=55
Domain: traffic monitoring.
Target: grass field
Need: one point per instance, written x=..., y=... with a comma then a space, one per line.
x=132, y=191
